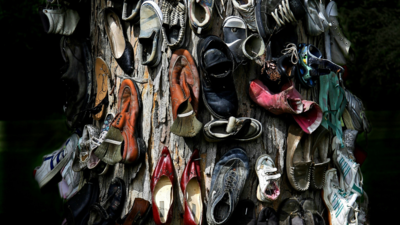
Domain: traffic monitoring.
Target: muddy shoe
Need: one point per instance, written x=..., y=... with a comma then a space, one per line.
x=298, y=161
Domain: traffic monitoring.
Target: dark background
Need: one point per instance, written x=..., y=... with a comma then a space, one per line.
x=32, y=122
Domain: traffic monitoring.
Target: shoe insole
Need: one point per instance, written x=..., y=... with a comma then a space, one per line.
x=116, y=38
x=163, y=197
x=193, y=197
x=172, y=33
x=199, y=12
x=253, y=46
x=302, y=152
x=221, y=210
x=147, y=45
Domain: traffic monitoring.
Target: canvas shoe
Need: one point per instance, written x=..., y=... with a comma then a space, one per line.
x=351, y=178
x=54, y=162
x=227, y=183
x=200, y=15
x=268, y=188
x=174, y=22
x=69, y=184
x=131, y=10
x=338, y=202
x=272, y=16
x=246, y=10
x=239, y=129
x=150, y=37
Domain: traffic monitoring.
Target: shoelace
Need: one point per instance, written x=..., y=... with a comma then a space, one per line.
x=291, y=49
x=230, y=181
x=285, y=14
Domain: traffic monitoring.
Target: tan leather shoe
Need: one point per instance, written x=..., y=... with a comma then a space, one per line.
x=102, y=73
x=298, y=162
x=185, y=91
x=129, y=105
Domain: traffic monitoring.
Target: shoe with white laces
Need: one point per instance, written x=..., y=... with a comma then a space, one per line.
x=268, y=188
x=271, y=16
x=54, y=162
x=338, y=202
x=246, y=10
x=351, y=178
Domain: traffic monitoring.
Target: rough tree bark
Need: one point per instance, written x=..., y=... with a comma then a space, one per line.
x=156, y=119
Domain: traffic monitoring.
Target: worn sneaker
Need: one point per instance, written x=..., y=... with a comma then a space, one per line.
x=227, y=183
x=272, y=16
x=354, y=115
x=69, y=184
x=174, y=22
x=268, y=189
x=338, y=202
x=150, y=37
x=239, y=129
x=246, y=10
x=351, y=178
x=54, y=162
x=200, y=15
x=235, y=32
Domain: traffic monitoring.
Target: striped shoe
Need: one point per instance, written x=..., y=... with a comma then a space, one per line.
x=338, y=202
x=54, y=162
x=351, y=178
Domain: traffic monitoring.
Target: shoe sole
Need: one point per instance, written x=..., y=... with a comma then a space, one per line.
x=139, y=141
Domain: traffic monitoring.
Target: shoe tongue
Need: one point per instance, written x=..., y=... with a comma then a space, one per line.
x=216, y=62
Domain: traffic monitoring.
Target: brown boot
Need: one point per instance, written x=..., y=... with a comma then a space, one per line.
x=184, y=88
x=129, y=104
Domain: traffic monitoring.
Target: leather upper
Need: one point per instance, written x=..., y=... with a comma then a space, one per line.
x=184, y=81
x=192, y=171
x=164, y=167
x=217, y=64
x=139, y=212
x=129, y=105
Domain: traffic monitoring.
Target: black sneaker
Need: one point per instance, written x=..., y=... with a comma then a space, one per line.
x=228, y=179
x=217, y=64
x=273, y=15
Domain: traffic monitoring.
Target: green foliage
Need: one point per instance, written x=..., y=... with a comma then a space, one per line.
x=373, y=28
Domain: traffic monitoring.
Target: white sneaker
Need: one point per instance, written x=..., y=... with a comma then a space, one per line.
x=246, y=10
x=338, y=202
x=351, y=178
x=69, y=184
x=268, y=188
x=53, y=162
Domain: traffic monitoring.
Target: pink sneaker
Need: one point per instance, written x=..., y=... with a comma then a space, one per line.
x=307, y=113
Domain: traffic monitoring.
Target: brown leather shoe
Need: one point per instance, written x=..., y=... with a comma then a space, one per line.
x=139, y=213
x=185, y=91
x=129, y=105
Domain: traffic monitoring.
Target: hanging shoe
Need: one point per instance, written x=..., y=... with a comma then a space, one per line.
x=217, y=64
x=339, y=47
x=316, y=19
x=150, y=37
x=246, y=10
x=311, y=213
x=272, y=16
x=319, y=155
x=354, y=116
x=139, y=213
x=174, y=22
x=85, y=158
x=336, y=200
x=59, y=21
x=239, y=129
x=235, y=32
x=200, y=15
x=185, y=91
x=267, y=216
x=268, y=177
x=191, y=190
x=298, y=161
x=291, y=212
x=54, y=162
x=351, y=178
x=307, y=114
x=102, y=73
x=121, y=49
x=131, y=10
x=227, y=183
x=162, y=189
x=129, y=106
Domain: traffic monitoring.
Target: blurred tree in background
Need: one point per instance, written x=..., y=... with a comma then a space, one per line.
x=373, y=28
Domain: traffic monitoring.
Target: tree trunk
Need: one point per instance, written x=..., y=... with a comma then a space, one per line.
x=156, y=119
